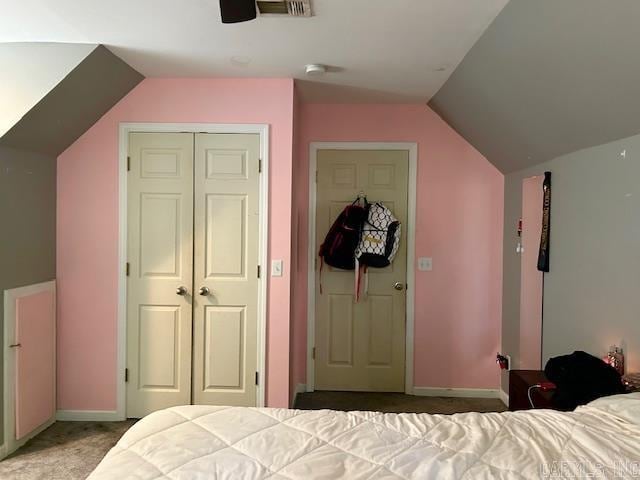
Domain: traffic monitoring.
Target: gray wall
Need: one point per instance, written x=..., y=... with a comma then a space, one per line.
x=75, y=104
x=592, y=293
x=27, y=224
x=30, y=70
x=548, y=77
x=28, y=153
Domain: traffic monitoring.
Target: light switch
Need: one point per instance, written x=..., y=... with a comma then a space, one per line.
x=276, y=268
x=425, y=264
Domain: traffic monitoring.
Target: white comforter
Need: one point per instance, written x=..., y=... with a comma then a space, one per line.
x=601, y=439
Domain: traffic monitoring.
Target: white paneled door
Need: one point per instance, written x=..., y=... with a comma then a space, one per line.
x=361, y=346
x=225, y=269
x=160, y=269
x=192, y=270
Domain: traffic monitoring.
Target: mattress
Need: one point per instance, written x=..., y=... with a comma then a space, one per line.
x=601, y=439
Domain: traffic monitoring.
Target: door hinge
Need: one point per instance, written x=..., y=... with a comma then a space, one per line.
x=260, y=166
x=258, y=271
x=313, y=353
x=127, y=269
x=128, y=164
x=126, y=375
x=316, y=176
x=257, y=378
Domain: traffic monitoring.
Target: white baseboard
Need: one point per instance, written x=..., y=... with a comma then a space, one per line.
x=300, y=388
x=504, y=397
x=88, y=416
x=456, y=392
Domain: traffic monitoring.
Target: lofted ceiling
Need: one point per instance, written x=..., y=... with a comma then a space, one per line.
x=548, y=77
x=378, y=51
x=80, y=85
x=29, y=72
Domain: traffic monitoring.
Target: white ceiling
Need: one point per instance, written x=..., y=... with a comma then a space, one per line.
x=29, y=72
x=391, y=50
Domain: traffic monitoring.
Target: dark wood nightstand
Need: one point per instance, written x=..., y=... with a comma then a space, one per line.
x=519, y=383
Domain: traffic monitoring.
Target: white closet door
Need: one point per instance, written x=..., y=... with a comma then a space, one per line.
x=225, y=268
x=160, y=255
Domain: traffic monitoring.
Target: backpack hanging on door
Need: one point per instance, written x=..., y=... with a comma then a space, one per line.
x=380, y=237
x=339, y=246
x=378, y=245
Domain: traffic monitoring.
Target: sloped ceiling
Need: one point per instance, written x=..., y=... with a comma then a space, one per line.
x=30, y=71
x=548, y=77
x=379, y=51
x=80, y=98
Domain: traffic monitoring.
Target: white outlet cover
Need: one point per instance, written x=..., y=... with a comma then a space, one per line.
x=276, y=268
x=425, y=264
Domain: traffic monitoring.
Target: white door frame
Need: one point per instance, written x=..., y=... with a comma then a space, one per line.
x=124, y=130
x=412, y=149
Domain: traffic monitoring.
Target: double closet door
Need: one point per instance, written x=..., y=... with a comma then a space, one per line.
x=192, y=285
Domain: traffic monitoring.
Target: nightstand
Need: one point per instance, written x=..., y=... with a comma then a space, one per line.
x=519, y=383
x=632, y=382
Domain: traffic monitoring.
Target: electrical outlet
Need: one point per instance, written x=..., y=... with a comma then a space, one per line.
x=425, y=264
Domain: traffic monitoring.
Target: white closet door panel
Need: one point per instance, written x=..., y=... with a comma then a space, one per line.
x=225, y=263
x=160, y=254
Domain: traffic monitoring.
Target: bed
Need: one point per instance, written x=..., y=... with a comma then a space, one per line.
x=601, y=439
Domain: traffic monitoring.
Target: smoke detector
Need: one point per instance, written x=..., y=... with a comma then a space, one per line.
x=291, y=8
x=315, y=69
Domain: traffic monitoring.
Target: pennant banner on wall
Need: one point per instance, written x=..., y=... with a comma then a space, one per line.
x=543, y=254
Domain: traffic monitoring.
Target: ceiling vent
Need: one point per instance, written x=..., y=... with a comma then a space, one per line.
x=292, y=8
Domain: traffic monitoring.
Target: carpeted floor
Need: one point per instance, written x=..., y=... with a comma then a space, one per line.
x=71, y=450
x=395, y=403
x=64, y=451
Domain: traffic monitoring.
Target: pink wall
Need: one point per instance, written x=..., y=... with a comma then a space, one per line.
x=87, y=232
x=459, y=224
x=530, y=277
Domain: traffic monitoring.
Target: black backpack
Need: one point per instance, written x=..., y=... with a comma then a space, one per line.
x=339, y=246
x=581, y=378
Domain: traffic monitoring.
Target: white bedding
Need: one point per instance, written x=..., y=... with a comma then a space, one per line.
x=198, y=442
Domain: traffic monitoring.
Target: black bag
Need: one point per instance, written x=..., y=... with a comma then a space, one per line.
x=339, y=246
x=581, y=378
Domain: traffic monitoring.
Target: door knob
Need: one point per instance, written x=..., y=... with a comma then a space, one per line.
x=398, y=286
x=204, y=291
x=181, y=290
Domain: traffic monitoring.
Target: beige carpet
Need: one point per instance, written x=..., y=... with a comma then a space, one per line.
x=64, y=451
x=71, y=450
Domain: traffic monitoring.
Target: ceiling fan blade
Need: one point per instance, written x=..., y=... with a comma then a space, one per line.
x=235, y=11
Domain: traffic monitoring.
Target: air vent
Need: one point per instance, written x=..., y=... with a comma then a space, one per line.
x=293, y=8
